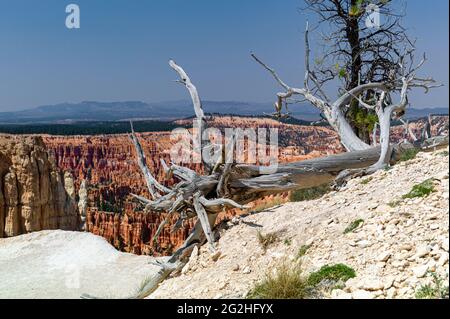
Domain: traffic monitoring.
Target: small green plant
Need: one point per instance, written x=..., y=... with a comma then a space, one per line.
x=287, y=242
x=356, y=9
x=353, y=225
x=421, y=190
x=302, y=251
x=287, y=283
x=443, y=153
x=336, y=273
x=435, y=290
x=265, y=240
x=362, y=118
x=409, y=154
x=309, y=193
x=366, y=180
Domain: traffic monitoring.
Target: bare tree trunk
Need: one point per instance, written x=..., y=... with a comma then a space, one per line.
x=347, y=135
x=384, y=119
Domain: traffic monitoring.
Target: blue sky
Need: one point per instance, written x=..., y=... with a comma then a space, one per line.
x=122, y=48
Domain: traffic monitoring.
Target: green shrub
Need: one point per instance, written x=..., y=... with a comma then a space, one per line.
x=309, y=193
x=435, y=290
x=287, y=283
x=353, y=225
x=443, y=153
x=362, y=118
x=408, y=154
x=336, y=273
x=421, y=190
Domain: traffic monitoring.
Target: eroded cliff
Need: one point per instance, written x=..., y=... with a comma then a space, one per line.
x=34, y=194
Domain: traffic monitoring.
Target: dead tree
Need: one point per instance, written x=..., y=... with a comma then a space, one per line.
x=361, y=43
x=402, y=79
x=229, y=185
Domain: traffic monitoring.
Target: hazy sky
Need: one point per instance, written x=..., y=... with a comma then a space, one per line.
x=122, y=48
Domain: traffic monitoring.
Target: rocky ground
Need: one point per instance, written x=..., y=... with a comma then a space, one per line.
x=393, y=251
x=66, y=264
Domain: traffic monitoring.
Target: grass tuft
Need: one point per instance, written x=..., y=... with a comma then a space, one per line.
x=353, y=225
x=421, y=190
x=302, y=251
x=309, y=193
x=265, y=240
x=287, y=283
x=409, y=154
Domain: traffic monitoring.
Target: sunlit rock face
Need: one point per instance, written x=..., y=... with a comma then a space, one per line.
x=34, y=194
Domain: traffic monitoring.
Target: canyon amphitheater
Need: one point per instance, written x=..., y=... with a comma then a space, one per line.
x=393, y=251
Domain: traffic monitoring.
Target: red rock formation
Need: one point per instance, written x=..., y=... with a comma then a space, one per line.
x=133, y=232
x=108, y=162
x=439, y=124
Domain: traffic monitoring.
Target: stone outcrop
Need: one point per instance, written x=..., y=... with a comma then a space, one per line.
x=56, y=264
x=34, y=194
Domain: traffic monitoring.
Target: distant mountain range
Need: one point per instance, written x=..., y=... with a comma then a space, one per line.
x=169, y=110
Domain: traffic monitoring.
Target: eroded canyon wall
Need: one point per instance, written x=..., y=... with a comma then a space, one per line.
x=108, y=164
x=34, y=194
